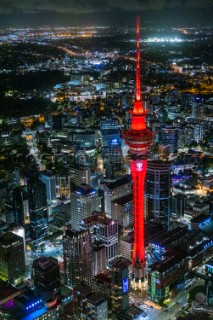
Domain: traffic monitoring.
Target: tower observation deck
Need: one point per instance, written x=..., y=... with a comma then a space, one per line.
x=138, y=138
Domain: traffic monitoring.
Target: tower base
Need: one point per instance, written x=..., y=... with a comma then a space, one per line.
x=138, y=276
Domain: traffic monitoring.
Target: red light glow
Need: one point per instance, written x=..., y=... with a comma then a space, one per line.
x=138, y=138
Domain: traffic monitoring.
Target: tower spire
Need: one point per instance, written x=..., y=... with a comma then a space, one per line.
x=138, y=75
x=138, y=113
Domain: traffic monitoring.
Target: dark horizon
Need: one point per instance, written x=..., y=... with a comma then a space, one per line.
x=168, y=17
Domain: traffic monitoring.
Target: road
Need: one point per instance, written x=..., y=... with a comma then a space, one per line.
x=175, y=306
x=51, y=250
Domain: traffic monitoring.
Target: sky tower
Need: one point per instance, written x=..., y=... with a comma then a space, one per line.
x=138, y=138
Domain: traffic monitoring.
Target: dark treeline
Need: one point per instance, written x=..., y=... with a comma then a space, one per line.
x=32, y=80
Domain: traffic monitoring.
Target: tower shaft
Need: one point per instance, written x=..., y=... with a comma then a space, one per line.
x=138, y=138
x=138, y=170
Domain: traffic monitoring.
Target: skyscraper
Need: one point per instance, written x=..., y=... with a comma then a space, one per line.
x=84, y=200
x=77, y=251
x=105, y=230
x=115, y=152
x=16, y=203
x=37, y=207
x=48, y=178
x=12, y=260
x=46, y=273
x=138, y=138
x=158, y=190
x=120, y=284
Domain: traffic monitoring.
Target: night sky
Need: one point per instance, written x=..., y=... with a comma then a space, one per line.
x=65, y=12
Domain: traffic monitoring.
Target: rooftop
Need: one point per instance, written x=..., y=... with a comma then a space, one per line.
x=168, y=237
x=95, y=298
x=44, y=263
x=104, y=276
x=100, y=218
x=84, y=190
x=47, y=173
x=200, y=218
x=9, y=238
x=125, y=199
x=119, y=182
x=82, y=290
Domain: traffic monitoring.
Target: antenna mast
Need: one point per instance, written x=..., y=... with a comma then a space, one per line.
x=138, y=76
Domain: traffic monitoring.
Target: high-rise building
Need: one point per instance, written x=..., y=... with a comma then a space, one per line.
x=91, y=305
x=198, y=132
x=116, y=189
x=105, y=230
x=84, y=200
x=158, y=190
x=138, y=138
x=37, y=207
x=62, y=185
x=98, y=256
x=13, y=178
x=115, y=152
x=12, y=260
x=169, y=138
x=109, y=130
x=120, y=284
x=79, y=174
x=122, y=211
x=77, y=252
x=46, y=275
x=178, y=206
x=48, y=178
x=3, y=192
x=16, y=206
x=37, y=198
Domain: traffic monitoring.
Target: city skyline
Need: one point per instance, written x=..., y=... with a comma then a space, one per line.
x=106, y=162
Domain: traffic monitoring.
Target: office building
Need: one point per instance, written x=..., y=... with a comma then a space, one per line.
x=183, y=252
x=169, y=138
x=84, y=138
x=91, y=305
x=179, y=202
x=48, y=178
x=37, y=198
x=62, y=186
x=158, y=190
x=45, y=274
x=102, y=284
x=37, y=207
x=16, y=206
x=77, y=253
x=120, y=284
x=98, y=256
x=13, y=178
x=115, y=152
x=105, y=230
x=79, y=174
x=83, y=201
x=114, y=190
x=122, y=211
x=12, y=260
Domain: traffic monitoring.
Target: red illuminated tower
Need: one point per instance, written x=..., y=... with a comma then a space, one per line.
x=138, y=138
